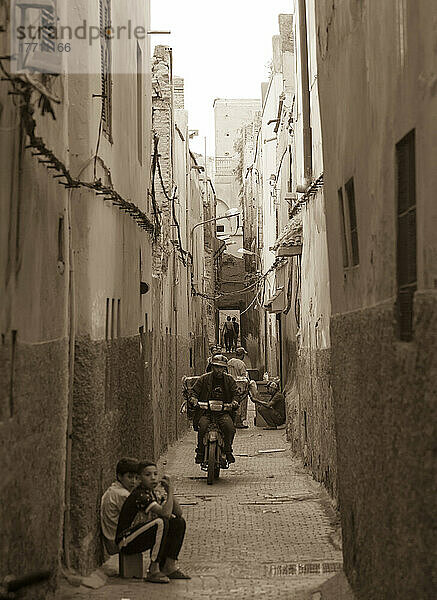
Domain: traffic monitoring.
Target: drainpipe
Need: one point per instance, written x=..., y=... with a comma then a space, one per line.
x=306, y=110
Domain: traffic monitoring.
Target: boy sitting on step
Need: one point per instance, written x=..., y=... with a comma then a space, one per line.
x=114, y=498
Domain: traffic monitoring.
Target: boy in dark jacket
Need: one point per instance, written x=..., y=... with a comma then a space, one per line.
x=148, y=521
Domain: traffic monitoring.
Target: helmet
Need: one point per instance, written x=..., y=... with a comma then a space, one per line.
x=273, y=385
x=219, y=360
x=241, y=350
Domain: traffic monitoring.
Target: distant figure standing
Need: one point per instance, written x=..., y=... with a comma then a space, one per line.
x=236, y=330
x=228, y=334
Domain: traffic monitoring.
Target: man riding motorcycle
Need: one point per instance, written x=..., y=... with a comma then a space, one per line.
x=216, y=385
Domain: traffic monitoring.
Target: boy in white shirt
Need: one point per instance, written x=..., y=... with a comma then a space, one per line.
x=114, y=498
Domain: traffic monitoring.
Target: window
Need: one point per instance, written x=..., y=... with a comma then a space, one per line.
x=406, y=234
x=353, y=230
x=36, y=51
x=8, y=359
x=118, y=318
x=113, y=319
x=112, y=365
x=348, y=225
x=343, y=229
x=108, y=319
x=220, y=228
x=105, y=66
x=61, y=239
x=140, y=103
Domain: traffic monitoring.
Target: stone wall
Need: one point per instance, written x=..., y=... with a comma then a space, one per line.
x=32, y=459
x=34, y=267
x=385, y=412
x=315, y=417
x=127, y=395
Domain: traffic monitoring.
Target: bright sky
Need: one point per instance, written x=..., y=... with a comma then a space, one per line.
x=221, y=48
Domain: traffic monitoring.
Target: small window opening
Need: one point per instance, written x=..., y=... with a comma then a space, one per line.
x=118, y=317
x=108, y=317
x=113, y=319
x=353, y=229
x=343, y=229
x=61, y=239
x=406, y=235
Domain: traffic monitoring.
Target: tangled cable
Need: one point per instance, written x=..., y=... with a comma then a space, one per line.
x=24, y=87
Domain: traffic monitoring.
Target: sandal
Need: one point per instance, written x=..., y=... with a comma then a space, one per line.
x=157, y=577
x=178, y=574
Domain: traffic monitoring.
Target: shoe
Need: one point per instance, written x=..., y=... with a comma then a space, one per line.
x=230, y=457
x=178, y=574
x=157, y=577
x=242, y=426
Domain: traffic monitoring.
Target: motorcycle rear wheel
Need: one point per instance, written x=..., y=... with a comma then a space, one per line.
x=212, y=451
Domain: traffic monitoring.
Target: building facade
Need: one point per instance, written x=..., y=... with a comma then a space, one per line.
x=285, y=229
x=229, y=116
x=98, y=312
x=376, y=66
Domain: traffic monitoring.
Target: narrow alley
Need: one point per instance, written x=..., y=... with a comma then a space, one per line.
x=218, y=217
x=264, y=530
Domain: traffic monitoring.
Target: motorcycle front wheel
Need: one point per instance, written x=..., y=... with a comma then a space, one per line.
x=212, y=450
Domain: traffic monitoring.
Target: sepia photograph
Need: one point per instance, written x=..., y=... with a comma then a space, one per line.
x=218, y=299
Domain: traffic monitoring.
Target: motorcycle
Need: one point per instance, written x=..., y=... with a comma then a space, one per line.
x=214, y=455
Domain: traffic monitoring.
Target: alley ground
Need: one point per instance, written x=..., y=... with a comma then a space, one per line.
x=265, y=530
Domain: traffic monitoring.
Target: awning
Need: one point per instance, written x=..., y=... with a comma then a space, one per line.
x=276, y=303
x=289, y=242
x=284, y=251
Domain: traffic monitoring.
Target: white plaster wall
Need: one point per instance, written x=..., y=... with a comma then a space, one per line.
x=105, y=236
x=268, y=166
x=316, y=304
x=365, y=112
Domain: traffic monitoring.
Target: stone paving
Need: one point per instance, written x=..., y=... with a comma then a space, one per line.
x=264, y=530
